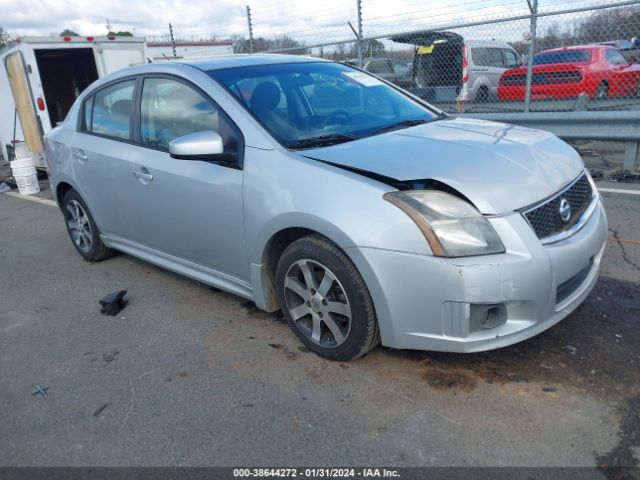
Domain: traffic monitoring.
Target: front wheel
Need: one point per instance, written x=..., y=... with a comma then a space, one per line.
x=325, y=300
x=602, y=91
x=82, y=229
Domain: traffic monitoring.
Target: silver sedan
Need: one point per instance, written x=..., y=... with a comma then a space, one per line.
x=363, y=213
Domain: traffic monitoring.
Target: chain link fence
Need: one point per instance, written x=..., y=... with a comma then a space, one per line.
x=481, y=56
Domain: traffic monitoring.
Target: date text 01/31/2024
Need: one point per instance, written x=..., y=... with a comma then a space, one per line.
x=316, y=472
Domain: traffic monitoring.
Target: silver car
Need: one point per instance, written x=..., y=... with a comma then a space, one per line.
x=363, y=213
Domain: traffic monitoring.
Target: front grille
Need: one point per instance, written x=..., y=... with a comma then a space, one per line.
x=545, y=218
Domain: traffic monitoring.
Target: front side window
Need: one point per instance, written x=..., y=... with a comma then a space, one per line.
x=511, y=59
x=112, y=108
x=615, y=58
x=299, y=102
x=171, y=109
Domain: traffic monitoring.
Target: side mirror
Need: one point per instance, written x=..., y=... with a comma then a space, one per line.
x=206, y=145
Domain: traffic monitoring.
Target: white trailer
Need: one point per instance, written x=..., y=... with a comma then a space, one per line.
x=163, y=51
x=40, y=78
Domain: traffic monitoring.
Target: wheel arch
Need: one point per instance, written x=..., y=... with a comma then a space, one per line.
x=263, y=274
x=61, y=190
x=266, y=247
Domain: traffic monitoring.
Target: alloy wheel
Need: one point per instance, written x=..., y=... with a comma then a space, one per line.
x=317, y=303
x=79, y=226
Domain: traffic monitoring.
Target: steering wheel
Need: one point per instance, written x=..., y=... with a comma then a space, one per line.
x=333, y=117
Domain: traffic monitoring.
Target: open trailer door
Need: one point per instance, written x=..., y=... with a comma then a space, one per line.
x=437, y=64
x=31, y=128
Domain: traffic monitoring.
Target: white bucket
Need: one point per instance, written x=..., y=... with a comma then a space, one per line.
x=25, y=175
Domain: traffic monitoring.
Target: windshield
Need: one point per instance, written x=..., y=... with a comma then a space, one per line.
x=318, y=103
x=567, y=56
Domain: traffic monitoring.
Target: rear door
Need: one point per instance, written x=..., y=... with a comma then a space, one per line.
x=100, y=152
x=23, y=98
x=114, y=56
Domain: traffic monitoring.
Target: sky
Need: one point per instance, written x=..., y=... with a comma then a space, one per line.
x=305, y=20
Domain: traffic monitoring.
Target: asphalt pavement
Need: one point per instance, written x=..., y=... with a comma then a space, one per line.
x=186, y=375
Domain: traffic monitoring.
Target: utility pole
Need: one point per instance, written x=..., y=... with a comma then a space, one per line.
x=250, y=25
x=533, y=6
x=173, y=41
x=360, y=56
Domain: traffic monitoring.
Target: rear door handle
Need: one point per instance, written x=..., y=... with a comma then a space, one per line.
x=143, y=175
x=79, y=155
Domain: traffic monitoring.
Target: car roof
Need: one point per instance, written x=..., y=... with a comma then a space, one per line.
x=247, y=60
x=594, y=46
x=488, y=44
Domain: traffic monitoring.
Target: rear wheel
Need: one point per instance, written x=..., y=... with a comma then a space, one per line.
x=602, y=91
x=482, y=95
x=325, y=299
x=82, y=229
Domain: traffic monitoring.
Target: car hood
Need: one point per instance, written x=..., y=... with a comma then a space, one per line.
x=498, y=167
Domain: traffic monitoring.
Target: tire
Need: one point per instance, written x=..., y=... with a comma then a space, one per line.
x=483, y=95
x=335, y=317
x=82, y=229
x=602, y=91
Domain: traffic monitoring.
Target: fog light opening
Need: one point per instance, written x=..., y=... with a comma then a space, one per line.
x=493, y=317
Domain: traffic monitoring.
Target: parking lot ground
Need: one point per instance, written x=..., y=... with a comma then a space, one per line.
x=186, y=375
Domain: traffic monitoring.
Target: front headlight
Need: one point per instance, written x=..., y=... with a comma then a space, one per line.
x=452, y=227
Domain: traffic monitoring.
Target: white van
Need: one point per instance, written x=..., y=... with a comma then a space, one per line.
x=40, y=78
x=448, y=68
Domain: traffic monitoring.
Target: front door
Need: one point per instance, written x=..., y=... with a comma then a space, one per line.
x=189, y=209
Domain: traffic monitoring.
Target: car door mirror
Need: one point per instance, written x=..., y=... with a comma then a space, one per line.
x=206, y=145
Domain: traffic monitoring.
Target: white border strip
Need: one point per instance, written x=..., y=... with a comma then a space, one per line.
x=619, y=190
x=44, y=201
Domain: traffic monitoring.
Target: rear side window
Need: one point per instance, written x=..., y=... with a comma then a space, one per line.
x=88, y=111
x=487, y=57
x=380, y=67
x=401, y=69
x=112, y=108
x=568, y=56
x=171, y=109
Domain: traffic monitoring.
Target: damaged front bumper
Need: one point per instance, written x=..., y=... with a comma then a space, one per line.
x=481, y=303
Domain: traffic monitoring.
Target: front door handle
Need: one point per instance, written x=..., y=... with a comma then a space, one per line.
x=143, y=175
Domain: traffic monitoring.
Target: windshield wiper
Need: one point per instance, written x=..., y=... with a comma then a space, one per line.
x=406, y=123
x=321, y=141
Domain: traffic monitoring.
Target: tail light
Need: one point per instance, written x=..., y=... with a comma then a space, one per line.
x=66, y=39
x=465, y=64
x=40, y=103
